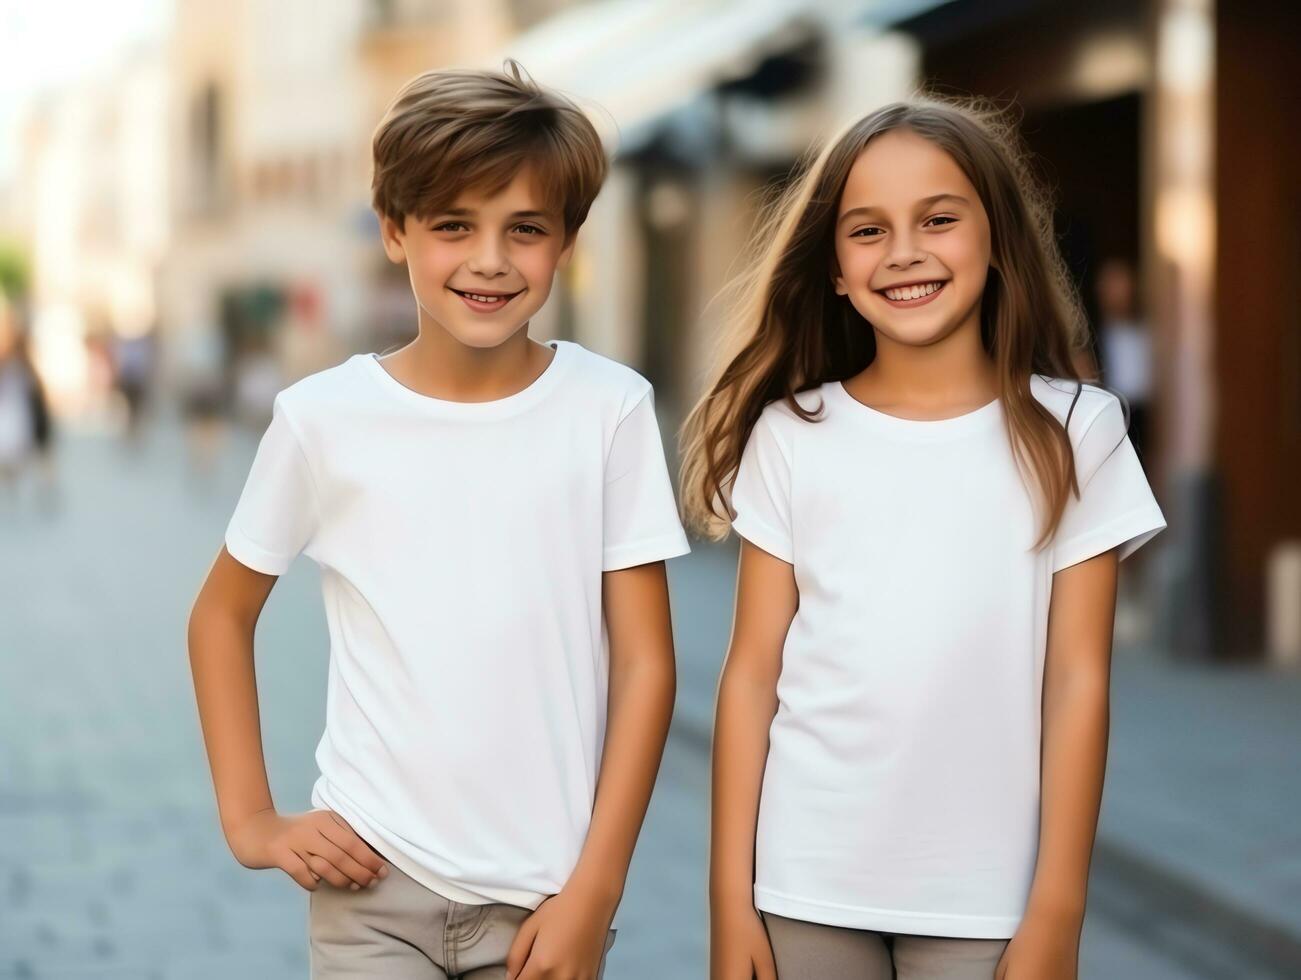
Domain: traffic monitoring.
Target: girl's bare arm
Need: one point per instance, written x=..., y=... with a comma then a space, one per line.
x=766, y=600
x=308, y=847
x=1076, y=715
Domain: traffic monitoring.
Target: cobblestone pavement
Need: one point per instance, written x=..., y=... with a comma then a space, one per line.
x=111, y=861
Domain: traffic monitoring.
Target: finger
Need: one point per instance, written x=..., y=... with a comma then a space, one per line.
x=765, y=967
x=520, y=948
x=338, y=831
x=328, y=871
x=322, y=846
x=293, y=865
x=346, y=858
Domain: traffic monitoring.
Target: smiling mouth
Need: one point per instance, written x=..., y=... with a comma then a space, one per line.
x=916, y=294
x=484, y=302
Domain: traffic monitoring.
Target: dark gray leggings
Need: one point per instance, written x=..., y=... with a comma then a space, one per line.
x=811, y=951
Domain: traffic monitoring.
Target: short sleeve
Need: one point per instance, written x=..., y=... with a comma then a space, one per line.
x=761, y=492
x=277, y=510
x=641, y=522
x=1116, y=507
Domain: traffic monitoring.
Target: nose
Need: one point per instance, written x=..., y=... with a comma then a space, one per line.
x=488, y=258
x=904, y=252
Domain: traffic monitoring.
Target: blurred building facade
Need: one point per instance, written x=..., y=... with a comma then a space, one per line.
x=705, y=107
x=1161, y=129
x=275, y=250
x=1160, y=125
x=88, y=205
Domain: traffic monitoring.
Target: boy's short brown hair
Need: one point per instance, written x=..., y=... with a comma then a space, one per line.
x=452, y=129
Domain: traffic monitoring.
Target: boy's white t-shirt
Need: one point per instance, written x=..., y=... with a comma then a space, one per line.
x=901, y=792
x=461, y=547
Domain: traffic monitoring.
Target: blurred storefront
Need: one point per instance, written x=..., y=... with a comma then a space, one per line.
x=275, y=249
x=215, y=192
x=1163, y=133
x=1141, y=116
x=705, y=106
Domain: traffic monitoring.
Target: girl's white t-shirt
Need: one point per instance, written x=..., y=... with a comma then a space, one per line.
x=461, y=547
x=901, y=792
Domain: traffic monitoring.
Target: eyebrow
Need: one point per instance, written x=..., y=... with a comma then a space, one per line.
x=923, y=203
x=469, y=212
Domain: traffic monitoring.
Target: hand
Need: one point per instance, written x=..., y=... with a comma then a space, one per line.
x=564, y=938
x=307, y=847
x=1044, y=948
x=738, y=944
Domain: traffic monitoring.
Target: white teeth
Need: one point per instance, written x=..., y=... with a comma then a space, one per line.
x=913, y=292
x=484, y=299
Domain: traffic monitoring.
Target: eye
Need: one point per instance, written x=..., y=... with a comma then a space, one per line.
x=530, y=229
x=450, y=226
x=862, y=232
x=941, y=217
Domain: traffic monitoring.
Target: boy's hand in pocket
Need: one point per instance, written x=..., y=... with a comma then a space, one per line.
x=308, y=847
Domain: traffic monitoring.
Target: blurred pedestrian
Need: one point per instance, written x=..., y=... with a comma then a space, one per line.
x=919, y=661
x=26, y=426
x=201, y=370
x=133, y=369
x=1126, y=344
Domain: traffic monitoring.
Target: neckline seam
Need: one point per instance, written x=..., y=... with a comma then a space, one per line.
x=922, y=429
x=495, y=408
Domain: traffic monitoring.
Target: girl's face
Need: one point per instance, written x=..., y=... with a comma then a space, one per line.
x=484, y=266
x=912, y=240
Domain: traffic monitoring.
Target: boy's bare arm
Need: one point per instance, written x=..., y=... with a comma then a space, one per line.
x=567, y=933
x=222, y=624
x=307, y=847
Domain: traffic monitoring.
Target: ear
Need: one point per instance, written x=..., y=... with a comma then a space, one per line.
x=838, y=282
x=392, y=236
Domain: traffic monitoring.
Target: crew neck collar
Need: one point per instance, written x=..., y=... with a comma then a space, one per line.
x=496, y=408
x=917, y=430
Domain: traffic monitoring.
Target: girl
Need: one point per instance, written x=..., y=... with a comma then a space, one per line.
x=932, y=507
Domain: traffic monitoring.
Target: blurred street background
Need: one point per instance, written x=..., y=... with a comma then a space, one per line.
x=185, y=230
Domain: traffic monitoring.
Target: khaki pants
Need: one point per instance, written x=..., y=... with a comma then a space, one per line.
x=810, y=951
x=400, y=930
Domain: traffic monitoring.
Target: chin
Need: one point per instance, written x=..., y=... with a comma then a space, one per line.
x=485, y=335
x=484, y=339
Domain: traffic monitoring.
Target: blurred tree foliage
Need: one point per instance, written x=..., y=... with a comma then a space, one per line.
x=14, y=274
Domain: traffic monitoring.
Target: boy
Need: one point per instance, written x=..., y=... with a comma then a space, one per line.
x=491, y=517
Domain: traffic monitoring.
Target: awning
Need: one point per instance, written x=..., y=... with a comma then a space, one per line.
x=634, y=61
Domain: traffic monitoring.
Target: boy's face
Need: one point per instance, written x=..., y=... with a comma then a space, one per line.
x=484, y=266
x=912, y=240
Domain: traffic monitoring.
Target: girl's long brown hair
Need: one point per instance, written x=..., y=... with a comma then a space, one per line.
x=790, y=332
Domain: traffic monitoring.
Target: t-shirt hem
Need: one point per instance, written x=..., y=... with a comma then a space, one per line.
x=250, y=555
x=641, y=552
x=1130, y=531
x=758, y=533
x=417, y=871
x=886, y=920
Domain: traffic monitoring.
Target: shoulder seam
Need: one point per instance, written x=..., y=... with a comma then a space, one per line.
x=635, y=405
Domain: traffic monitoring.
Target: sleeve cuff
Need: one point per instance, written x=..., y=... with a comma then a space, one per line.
x=251, y=556
x=643, y=552
x=1130, y=531
x=762, y=536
